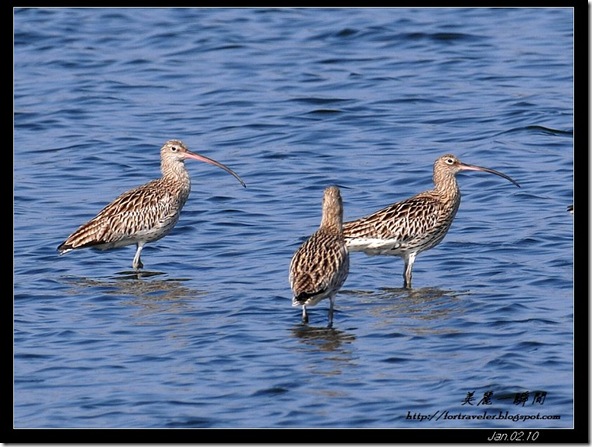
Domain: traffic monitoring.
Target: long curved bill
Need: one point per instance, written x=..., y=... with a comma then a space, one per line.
x=211, y=161
x=466, y=167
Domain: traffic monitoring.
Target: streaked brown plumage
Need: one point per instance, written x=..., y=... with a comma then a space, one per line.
x=320, y=266
x=408, y=227
x=146, y=213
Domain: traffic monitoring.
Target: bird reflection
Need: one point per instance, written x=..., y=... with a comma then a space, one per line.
x=418, y=299
x=324, y=338
x=400, y=307
x=149, y=294
x=132, y=274
x=332, y=344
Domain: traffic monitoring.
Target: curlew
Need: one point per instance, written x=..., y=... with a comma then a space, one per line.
x=146, y=213
x=416, y=224
x=320, y=266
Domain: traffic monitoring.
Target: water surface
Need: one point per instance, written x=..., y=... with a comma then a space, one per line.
x=293, y=100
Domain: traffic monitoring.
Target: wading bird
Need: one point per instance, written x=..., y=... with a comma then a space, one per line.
x=320, y=266
x=413, y=225
x=146, y=213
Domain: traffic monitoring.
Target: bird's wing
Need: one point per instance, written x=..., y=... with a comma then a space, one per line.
x=142, y=209
x=400, y=222
x=319, y=267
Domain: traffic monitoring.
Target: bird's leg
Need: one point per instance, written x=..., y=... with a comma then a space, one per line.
x=409, y=260
x=407, y=278
x=304, y=314
x=137, y=263
x=330, y=325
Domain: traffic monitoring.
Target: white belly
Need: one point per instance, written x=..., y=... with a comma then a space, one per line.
x=372, y=246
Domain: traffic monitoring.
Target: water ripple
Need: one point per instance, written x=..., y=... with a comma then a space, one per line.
x=293, y=99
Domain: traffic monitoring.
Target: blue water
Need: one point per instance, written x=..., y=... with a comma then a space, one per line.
x=293, y=100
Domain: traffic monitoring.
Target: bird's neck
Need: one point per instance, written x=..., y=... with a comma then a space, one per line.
x=446, y=186
x=176, y=174
x=332, y=219
x=175, y=171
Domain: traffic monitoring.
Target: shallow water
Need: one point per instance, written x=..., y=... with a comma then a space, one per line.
x=293, y=100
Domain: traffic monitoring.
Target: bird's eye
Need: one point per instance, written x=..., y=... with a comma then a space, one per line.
x=174, y=148
x=449, y=161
